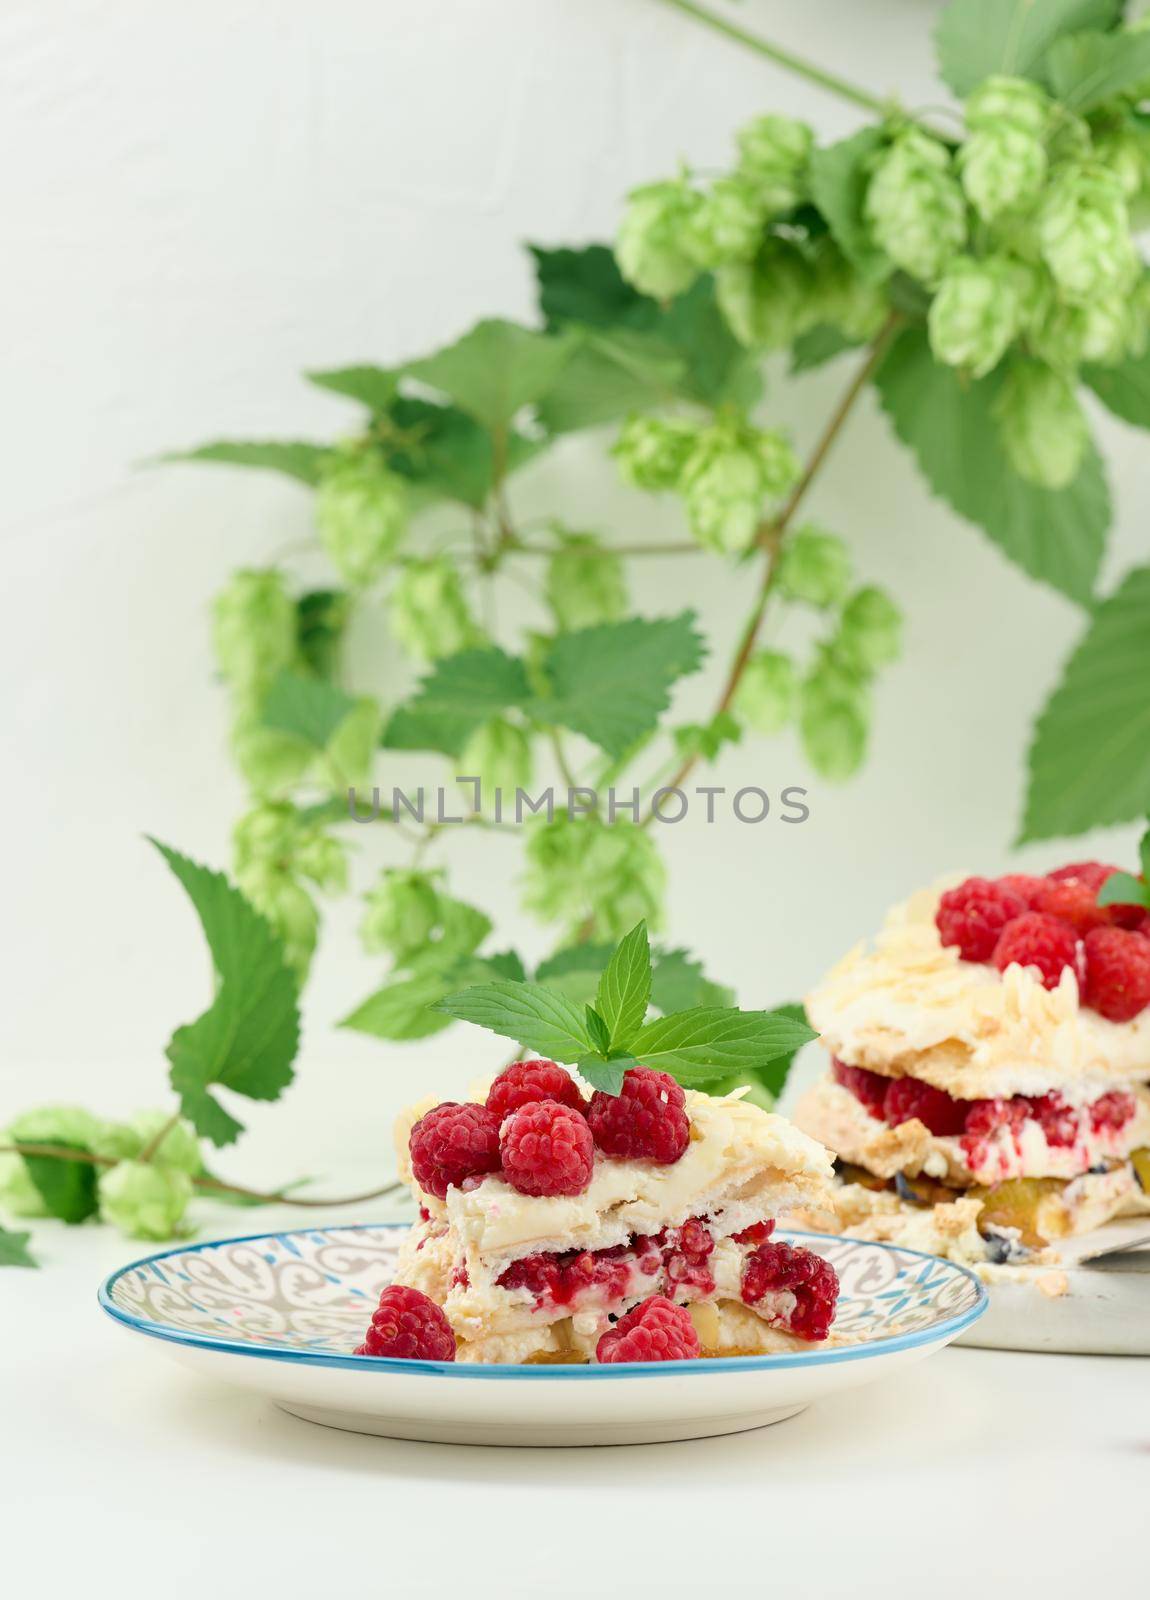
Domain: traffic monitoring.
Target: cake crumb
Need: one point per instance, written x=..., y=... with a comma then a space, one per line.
x=1053, y=1284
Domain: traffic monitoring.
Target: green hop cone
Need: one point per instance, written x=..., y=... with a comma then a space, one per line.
x=843, y=299
x=1041, y=424
x=1002, y=101
x=1123, y=150
x=286, y=904
x=976, y=313
x=728, y=223
x=179, y=1149
x=833, y=720
x=499, y=755
x=272, y=763
x=322, y=858
x=653, y=247
x=253, y=631
x=401, y=913
x=361, y=506
x=585, y=871
x=19, y=1196
x=1065, y=336
x=773, y=156
x=1001, y=168
x=67, y=1125
x=870, y=631
x=768, y=692
x=652, y=451
x=1084, y=234
x=144, y=1200
x=914, y=205
x=731, y=472
x=269, y=833
x=814, y=567
x=585, y=583
x=429, y=612
x=769, y=301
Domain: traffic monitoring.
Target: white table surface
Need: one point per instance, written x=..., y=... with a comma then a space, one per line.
x=976, y=1473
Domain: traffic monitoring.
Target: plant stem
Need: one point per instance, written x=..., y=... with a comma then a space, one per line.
x=157, y=1139
x=784, y=58
x=772, y=532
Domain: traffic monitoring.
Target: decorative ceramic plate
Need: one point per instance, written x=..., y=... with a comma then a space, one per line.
x=281, y=1313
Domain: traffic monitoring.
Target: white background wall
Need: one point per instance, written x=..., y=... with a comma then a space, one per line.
x=200, y=202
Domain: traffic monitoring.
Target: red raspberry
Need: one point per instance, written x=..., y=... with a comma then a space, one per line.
x=1024, y=885
x=985, y=1117
x=973, y=915
x=1117, y=973
x=1074, y=902
x=778, y=1268
x=1111, y=1112
x=685, y=1259
x=1058, y=1121
x=757, y=1233
x=1038, y=940
x=1092, y=873
x=869, y=1088
x=654, y=1330
x=909, y=1097
x=547, y=1149
x=646, y=1122
x=451, y=1143
x=539, y=1273
x=409, y=1327
x=525, y=1081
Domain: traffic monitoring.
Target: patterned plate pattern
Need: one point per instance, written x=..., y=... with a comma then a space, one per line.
x=312, y=1292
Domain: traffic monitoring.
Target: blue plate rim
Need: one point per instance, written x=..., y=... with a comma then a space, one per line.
x=937, y=1333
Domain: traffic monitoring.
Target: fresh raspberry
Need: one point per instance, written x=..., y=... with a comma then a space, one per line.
x=778, y=1268
x=525, y=1081
x=1111, y=1112
x=408, y=1326
x=909, y=1097
x=1025, y=885
x=646, y=1122
x=1117, y=973
x=1092, y=873
x=685, y=1260
x=547, y=1149
x=1038, y=940
x=654, y=1330
x=1059, y=1122
x=869, y=1088
x=973, y=915
x=757, y=1233
x=451, y=1143
x=985, y=1117
x=1073, y=902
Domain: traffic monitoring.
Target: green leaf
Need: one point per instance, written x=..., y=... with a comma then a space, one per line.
x=706, y=739
x=14, y=1250
x=67, y=1188
x=586, y=286
x=603, y=1073
x=308, y=708
x=1144, y=861
x=818, y=346
x=717, y=368
x=608, y=375
x=442, y=450
x=624, y=991
x=506, y=964
x=1090, y=755
x=296, y=459
x=597, y=1030
x=374, y=387
x=611, y=683
x=1086, y=69
x=839, y=176
x=401, y=1010
x=321, y=621
x=976, y=38
x=1125, y=390
x=246, y=1041
x=679, y=984
x=533, y=1016
x=575, y=972
x=459, y=694
x=774, y=1074
x=1056, y=535
x=1123, y=889
x=710, y=1042
x=495, y=370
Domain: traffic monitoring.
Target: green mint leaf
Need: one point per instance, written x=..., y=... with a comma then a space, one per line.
x=603, y=1073
x=402, y=1009
x=246, y=1041
x=977, y=38
x=321, y=622
x=534, y=1017
x=495, y=370
x=309, y=708
x=304, y=462
x=839, y=176
x=1090, y=756
x=1086, y=69
x=624, y=990
x=67, y=1188
x=373, y=387
x=460, y=693
x=443, y=452
x=1144, y=858
x=1056, y=535
x=1125, y=390
x=14, y=1250
x=612, y=683
x=711, y=1042
x=1123, y=889
x=608, y=375
x=597, y=1030
x=586, y=286
x=678, y=984
x=818, y=346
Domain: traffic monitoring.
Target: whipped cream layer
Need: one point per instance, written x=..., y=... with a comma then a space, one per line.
x=911, y=1005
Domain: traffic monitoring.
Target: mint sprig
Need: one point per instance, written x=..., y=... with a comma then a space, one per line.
x=695, y=1046
x=1123, y=888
